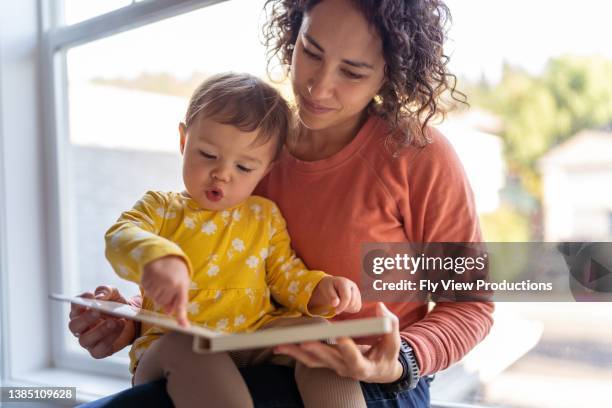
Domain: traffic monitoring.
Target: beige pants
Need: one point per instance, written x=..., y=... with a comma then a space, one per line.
x=213, y=380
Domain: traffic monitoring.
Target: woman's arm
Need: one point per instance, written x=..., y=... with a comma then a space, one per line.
x=440, y=206
x=103, y=335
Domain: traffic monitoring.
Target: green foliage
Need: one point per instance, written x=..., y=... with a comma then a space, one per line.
x=539, y=112
x=505, y=225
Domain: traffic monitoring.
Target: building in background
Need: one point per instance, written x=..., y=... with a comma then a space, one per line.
x=577, y=188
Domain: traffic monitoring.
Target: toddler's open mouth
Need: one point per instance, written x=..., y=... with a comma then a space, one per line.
x=214, y=194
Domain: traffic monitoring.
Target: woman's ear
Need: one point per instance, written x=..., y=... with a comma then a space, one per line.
x=183, y=136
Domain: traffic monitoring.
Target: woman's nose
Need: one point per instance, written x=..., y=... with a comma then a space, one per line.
x=321, y=85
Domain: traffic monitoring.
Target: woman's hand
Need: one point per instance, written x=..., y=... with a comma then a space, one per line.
x=379, y=364
x=100, y=334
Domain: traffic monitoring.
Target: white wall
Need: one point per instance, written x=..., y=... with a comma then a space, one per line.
x=23, y=297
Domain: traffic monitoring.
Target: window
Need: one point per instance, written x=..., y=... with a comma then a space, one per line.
x=97, y=128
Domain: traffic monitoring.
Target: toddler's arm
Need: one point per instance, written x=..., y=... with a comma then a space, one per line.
x=293, y=285
x=138, y=253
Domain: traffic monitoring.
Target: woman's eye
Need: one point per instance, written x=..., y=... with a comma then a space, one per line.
x=351, y=74
x=208, y=155
x=311, y=54
x=244, y=169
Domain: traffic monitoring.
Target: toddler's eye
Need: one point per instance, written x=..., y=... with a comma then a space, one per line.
x=244, y=169
x=208, y=155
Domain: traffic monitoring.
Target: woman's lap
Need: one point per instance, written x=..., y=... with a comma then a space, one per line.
x=271, y=386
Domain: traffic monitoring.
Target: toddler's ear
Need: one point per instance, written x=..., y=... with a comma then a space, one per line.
x=183, y=135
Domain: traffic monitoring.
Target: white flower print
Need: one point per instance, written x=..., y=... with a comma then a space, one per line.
x=252, y=261
x=274, y=210
x=256, y=208
x=160, y=211
x=143, y=235
x=300, y=273
x=240, y=319
x=272, y=232
x=193, y=308
x=236, y=215
x=263, y=253
x=308, y=287
x=114, y=242
x=136, y=253
x=238, y=244
x=193, y=286
x=293, y=287
x=124, y=271
x=222, y=324
x=217, y=295
x=291, y=299
x=250, y=294
x=285, y=267
x=209, y=227
x=189, y=223
x=213, y=270
x=225, y=216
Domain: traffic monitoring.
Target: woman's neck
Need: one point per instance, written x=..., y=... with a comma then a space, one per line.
x=319, y=144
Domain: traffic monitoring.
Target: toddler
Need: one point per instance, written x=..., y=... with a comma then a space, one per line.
x=219, y=257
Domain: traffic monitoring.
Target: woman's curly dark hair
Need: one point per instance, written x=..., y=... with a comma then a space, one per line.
x=416, y=77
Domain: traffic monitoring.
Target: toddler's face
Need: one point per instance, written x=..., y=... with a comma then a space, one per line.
x=221, y=164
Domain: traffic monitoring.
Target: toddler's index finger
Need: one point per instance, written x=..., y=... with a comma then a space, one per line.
x=181, y=309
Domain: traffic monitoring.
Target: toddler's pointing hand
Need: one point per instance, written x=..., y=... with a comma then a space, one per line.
x=166, y=281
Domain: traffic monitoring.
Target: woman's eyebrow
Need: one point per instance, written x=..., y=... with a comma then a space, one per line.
x=356, y=64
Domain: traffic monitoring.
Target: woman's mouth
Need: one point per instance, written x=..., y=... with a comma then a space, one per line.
x=214, y=194
x=314, y=107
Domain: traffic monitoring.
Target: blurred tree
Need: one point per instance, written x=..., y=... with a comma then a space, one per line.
x=539, y=112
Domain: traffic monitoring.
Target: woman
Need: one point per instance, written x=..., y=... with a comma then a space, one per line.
x=367, y=78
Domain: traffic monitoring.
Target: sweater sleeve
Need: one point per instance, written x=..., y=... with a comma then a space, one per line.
x=133, y=241
x=439, y=207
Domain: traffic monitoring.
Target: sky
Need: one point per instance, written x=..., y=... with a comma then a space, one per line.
x=485, y=33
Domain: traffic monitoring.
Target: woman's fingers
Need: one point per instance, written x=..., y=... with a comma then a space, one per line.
x=75, y=309
x=99, y=340
x=327, y=356
x=389, y=344
x=299, y=354
x=110, y=293
x=81, y=323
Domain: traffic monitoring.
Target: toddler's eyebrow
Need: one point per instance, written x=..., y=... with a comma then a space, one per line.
x=356, y=64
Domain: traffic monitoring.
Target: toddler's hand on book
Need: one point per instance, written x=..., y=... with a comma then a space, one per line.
x=166, y=281
x=340, y=293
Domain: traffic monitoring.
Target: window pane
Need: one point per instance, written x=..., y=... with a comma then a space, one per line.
x=536, y=144
x=127, y=95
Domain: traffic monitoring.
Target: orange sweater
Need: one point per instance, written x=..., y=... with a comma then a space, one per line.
x=363, y=194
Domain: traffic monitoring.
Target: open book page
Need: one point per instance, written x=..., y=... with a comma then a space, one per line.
x=207, y=340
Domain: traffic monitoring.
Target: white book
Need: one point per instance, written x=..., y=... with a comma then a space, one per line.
x=206, y=340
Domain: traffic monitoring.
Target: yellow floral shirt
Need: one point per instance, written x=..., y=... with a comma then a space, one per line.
x=239, y=260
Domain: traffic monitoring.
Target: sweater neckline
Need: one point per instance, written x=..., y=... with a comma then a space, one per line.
x=337, y=158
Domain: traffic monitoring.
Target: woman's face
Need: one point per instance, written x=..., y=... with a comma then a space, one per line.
x=337, y=65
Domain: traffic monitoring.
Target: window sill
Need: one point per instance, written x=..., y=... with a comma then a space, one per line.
x=89, y=386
